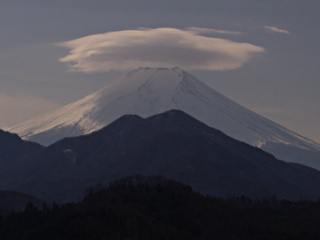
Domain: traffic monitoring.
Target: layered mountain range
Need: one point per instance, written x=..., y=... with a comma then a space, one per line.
x=172, y=144
x=149, y=91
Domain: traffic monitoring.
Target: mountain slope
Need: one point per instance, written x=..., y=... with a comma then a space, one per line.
x=13, y=149
x=16, y=202
x=171, y=144
x=149, y=91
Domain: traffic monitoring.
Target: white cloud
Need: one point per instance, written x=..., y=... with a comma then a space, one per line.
x=276, y=30
x=161, y=47
x=16, y=109
x=197, y=30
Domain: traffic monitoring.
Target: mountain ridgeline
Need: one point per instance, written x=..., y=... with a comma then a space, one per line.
x=172, y=144
x=149, y=91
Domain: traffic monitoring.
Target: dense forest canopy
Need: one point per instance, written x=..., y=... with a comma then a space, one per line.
x=157, y=208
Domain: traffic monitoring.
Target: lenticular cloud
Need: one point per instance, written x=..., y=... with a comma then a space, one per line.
x=161, y=47
x=276, y=30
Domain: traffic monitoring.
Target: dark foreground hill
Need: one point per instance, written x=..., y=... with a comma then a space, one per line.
x=14, y=201
x=14, y=150
x=171, y=144
x=158, y=208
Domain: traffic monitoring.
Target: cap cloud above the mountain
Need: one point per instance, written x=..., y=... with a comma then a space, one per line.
x=165, y=47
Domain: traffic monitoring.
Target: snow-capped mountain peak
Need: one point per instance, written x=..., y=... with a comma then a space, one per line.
x=149, y=91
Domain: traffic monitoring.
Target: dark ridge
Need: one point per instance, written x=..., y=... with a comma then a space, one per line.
x=11, y=201
x=172, y=144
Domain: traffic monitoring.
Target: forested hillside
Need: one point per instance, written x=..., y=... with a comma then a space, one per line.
x=157, y=208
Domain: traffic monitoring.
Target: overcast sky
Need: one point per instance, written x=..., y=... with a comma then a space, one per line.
x=264, y=55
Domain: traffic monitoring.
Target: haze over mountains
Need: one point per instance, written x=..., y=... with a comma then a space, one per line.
x=149, y=91
x=171, y=144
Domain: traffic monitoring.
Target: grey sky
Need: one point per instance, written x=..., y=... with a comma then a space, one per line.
x=282, y=83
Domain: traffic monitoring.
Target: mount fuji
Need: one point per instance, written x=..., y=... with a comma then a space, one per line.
x=149, y=91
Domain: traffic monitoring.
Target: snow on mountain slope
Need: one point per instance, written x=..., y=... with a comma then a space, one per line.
x=149, y=91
